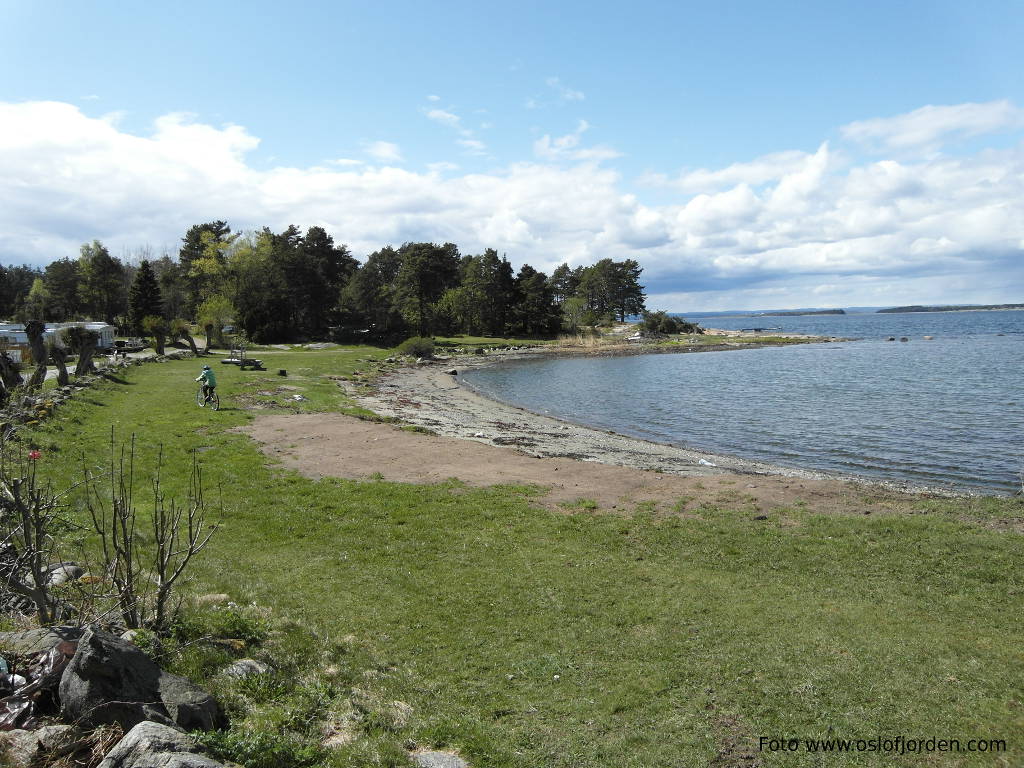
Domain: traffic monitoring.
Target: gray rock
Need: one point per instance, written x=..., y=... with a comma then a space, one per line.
x=189, y=705
x=152, y=745
x=111, y=681
x=433, y=759
x=34, y=640
x=61, y=573
x=24, y=749
x=246, y=668
x=130, y=635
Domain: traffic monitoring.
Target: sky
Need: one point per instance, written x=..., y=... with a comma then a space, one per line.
x=748, y=155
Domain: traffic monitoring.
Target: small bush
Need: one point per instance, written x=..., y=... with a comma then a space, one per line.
x=664, y=323
x=417, y=346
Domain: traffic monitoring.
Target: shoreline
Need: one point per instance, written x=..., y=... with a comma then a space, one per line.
x=427, y=396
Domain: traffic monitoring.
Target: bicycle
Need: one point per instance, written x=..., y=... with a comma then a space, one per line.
x=201, y=399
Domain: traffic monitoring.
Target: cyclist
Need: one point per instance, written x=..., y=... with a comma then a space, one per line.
x=209, y=383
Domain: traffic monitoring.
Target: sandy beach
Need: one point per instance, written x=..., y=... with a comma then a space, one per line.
x=481, y=442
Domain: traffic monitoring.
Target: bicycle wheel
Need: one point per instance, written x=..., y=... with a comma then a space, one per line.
x=200, y=398
x=215, y=401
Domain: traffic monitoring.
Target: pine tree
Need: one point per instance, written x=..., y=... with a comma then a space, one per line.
x=144, y=298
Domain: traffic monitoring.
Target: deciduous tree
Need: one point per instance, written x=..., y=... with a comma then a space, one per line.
x=101, y=289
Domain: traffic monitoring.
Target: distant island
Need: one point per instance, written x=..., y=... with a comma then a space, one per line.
x=961, y=308
x=799, y=313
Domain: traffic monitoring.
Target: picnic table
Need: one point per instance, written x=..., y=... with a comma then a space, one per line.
x=237, y=357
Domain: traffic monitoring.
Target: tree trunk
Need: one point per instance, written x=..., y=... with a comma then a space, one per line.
x=60, y=360
x=158, y=343
x=34, y=330
x=9, y=372
x=191, y=343
x=209, y=335
x=85, y=353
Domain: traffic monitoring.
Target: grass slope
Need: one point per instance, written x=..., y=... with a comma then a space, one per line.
x=526, y=638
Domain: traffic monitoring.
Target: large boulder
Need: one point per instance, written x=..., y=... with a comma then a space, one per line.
x=109, y=680
x=152, y=745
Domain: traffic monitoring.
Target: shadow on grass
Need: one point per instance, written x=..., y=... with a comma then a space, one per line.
x=117, y=380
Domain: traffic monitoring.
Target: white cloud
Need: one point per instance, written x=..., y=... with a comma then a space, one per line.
x=564, y=92
x=755, y=173
x=568, y=147
x=549, y=148
x=468, y=142
x=473, y=146
x=925, y=127
x=384, y=151
x=444, y=117
x=433, y=97
x=795, y=229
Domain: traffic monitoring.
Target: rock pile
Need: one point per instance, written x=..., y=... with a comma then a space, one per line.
x=70, y=681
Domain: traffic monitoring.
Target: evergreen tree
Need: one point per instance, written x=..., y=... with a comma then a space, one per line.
x=173, y=289
x=369, y=299
x=536, y=312
x=15, y=285
x=627, y=295
x=564, y=283
x=427, y=271
x=611, y=289
x=144, y=299
x=62, y=279
x=257, y=290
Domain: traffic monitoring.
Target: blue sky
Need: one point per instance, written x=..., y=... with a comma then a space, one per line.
x=763, y=155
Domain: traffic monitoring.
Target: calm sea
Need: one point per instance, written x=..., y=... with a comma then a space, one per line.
x=946, y=412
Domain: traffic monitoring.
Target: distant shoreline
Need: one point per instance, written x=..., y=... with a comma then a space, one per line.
x=919, y=309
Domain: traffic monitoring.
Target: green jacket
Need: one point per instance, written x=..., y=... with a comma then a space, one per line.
x=208, y=378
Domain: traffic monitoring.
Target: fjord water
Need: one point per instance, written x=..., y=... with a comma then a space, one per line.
x=946, y=412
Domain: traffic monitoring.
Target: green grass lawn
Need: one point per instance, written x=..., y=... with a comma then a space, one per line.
x=471, y=619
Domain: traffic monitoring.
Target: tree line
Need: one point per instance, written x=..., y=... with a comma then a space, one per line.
x=290, y=285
